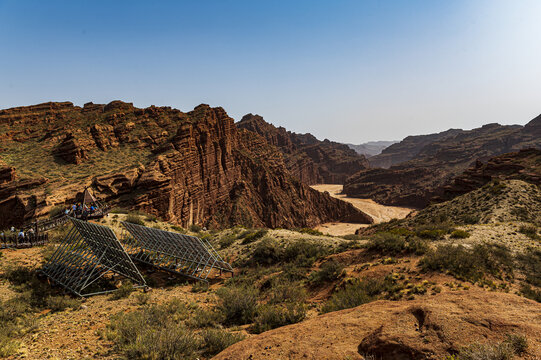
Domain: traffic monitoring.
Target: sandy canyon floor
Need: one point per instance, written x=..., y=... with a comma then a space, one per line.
x=380, y=213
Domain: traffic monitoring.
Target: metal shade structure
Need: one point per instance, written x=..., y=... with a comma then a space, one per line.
x=87, y=253
x=178, y=253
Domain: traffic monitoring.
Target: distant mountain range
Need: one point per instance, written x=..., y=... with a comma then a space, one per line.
x=371, y=148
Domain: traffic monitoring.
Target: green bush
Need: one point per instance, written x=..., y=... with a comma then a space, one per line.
x=469, y=264
x=310, y=231
x=432, y=234
x=227, y=241
x=217, y=340
x=530, y=264
x=527, y=291
x=304, y=252
x=351, y=296
x=274, y=316
x=123, y=291
x=530, y=231
x=287, y=292
x=470, y=219
x=61, y=303
x=460, y=234
x=249, y=236
x=134, y=219
x=237, y=304
x=267, y=252
x=361, y=292
x=154, y=332
x=330, y=271
x=195, y=228
x=514, y=344
x=205, y=318
x=387, y=243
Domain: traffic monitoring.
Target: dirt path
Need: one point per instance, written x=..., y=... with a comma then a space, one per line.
x=380, y=213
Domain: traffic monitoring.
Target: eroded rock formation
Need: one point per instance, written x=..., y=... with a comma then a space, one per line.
x=310, y=160
x=416, y=181
x=194, y=167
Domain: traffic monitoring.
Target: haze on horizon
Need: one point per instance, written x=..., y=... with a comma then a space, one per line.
x=349, y=71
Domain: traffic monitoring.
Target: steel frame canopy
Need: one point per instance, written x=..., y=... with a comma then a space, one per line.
x=178, y=253
x=87, y=253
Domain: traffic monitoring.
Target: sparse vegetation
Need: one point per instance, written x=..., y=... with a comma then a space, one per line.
x=237, y=304
x=530, y=231
x=388, y=243
x=460, y=234
x=195, y=228
x=514, y=344
x=273, y=316
x=469, y=264
x=134, y=219
x=330, y=271
x=123, y=291
x=249, y=236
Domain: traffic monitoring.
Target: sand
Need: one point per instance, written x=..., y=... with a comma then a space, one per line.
x=380, y=213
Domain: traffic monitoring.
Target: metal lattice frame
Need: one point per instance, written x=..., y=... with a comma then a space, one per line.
x=87, y=253
x=182, y=254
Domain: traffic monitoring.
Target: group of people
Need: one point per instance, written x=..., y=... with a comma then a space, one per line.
x=81, y=210
x=21, y=234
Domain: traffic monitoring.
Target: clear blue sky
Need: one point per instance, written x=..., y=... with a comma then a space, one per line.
x=350, y=71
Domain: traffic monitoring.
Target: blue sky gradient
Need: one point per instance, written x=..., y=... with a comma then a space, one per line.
x=350, y=71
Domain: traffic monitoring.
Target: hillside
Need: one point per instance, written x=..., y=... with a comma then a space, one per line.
x=414, y=182
x=307, y=158
x=371, y=148
x=187, y=168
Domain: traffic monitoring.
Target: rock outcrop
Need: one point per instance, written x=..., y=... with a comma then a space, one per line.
x=522, y=165
x=433, y=327
x=187, y=168
x=310, y=160
x=416, y=181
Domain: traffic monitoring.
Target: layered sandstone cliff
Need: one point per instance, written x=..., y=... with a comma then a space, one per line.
x=310, y=160
x=416, y=181
x=194, y=167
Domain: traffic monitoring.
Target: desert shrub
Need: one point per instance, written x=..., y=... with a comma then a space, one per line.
x=530, y=231
x=200, y=286
x=134, y=219
x=283, y=292
x=178, y=229
x=217, y=340
x=387, y=243
x=237, y=304
x=518, y=342
x=310, y=231
x=460, y=234
x=514, y=344
x=304, y=252
x=330, y=271
x=530, y=264
x=118, y=210
x=521, y=213
x=61, y=303
x=56, y=211
x=123, y=291
x=469, y=264
x=203, y=318
x=142, y=298
x=155, y=332
x=351, y=296
x=249, y=236
x=267, y=252
x=469, y=219
x=352, y=237
x=195, y=228
x=151, y=218
x=274, y=316
x=19, y=275
x=227, y=241
x=501, y=351
x=432, y=234
x=527, y=291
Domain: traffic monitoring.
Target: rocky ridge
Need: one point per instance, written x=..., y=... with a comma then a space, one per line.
x=187, y=168
x=307, y=158
x=415, y=182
